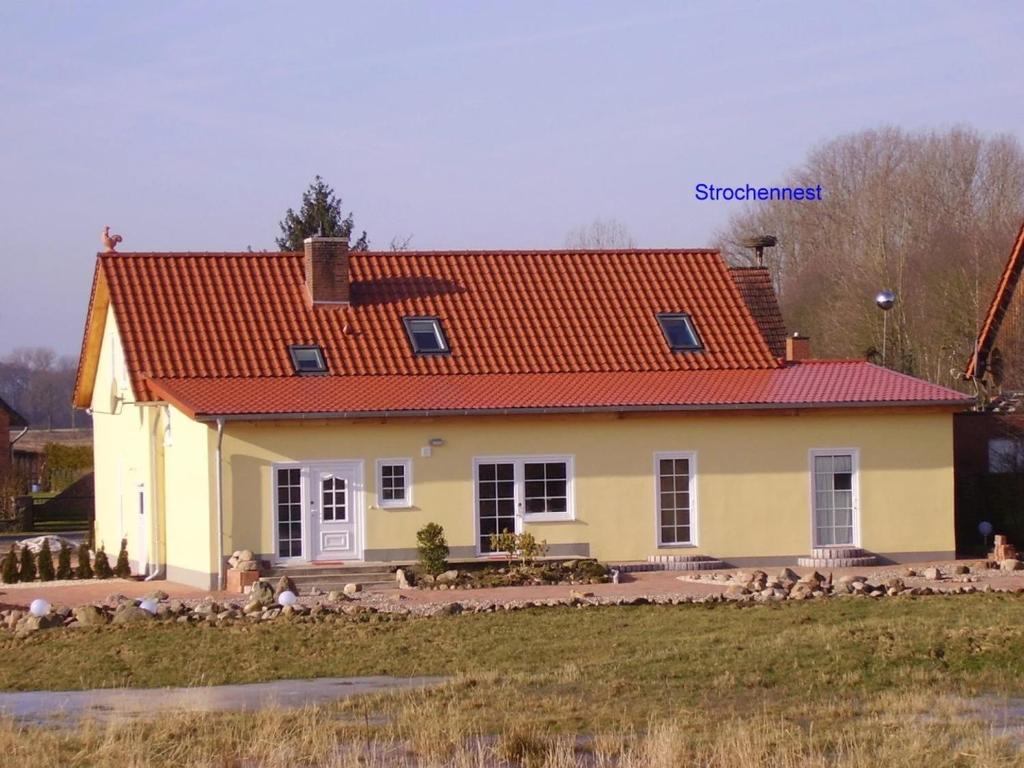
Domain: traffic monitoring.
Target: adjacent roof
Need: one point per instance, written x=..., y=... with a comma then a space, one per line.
x=15, y=419
x=803, y=385
x=997, y=310
x=528, y=331
x=755, y=286
x=36, y=440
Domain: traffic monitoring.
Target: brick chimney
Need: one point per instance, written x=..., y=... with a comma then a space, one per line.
x=797, y=348
x=327, y=269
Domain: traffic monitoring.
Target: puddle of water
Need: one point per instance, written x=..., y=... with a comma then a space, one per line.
x=126, y=703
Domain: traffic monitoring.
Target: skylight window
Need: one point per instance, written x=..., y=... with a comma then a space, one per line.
x=426, y=335
x=679, y=332
x=307, y=359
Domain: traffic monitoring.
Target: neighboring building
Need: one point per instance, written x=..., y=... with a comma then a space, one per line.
x=9, y=419
x=29, y=453
x=323, y=406
x=989, y=441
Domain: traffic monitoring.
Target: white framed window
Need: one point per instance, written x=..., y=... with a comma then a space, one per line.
x=675, y=498
x=531, y=489
x=289, y=511
x=394, y=483
x=834, y=497
x=1005, y=455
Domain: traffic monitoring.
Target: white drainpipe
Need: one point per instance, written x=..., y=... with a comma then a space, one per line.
x=220, y=505
x=154, y=506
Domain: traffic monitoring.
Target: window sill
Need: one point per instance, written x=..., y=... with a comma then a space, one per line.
x=394, y=507
x=681, y=545
x=549, y=517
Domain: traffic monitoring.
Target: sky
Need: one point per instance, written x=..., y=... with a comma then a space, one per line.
x=194, y=126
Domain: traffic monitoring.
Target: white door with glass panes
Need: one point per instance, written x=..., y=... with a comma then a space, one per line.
x=334, y=522
x=834, y=478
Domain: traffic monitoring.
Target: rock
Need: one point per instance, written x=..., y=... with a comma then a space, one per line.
x=262, y=593
x=448, y=577
x=1010, y=565
x=285, y=584
x=577, y=595
x=245, y=556
x=207, y=606
x=90, y=616
x=247, y=565
x=130, y=614
x=742, y=577
x=933, y=574
x=961, y=569
x=787, y=576
x=859, y=586
x=254, y=607
x=403, y=582
x=156, y=595
x=13, y=618
x=735, y=592
x=334, y=596
x=352, y=589
x=811, y=578
x=894, y=586
x=232, y=561
x=850, y=578
x=909, y=573
x=114, y=600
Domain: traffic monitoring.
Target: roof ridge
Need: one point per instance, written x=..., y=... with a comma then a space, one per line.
x=451, y=252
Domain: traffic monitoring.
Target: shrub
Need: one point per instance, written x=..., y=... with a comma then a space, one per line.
x=103, y=569
x=27, y=568
x=64, y=561
x=530, y=549
x=45, y=562
x=123, y=569
x=504, y=542
x=9, y=569
x=433, y=549
x=84, y=570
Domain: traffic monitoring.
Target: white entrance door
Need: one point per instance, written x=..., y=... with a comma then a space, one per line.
x=835, y=498
x=334, y=513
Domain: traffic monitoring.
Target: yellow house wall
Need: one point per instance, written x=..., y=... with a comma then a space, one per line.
x=753, y=478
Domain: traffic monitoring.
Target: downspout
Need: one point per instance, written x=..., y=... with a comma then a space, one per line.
x=154, y=507
x=220, y=504
x=16, y=439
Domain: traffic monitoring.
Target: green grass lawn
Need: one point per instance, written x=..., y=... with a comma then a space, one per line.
x=815, y=665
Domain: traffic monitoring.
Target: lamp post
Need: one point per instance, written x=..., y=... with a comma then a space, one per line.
x=885, y=301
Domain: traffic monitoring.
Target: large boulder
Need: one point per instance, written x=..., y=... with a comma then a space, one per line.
x=933, y=574
x=352, y=588
x=89, y=616
x=448, y=577
x=787, y=576
x=1010, y=565
x=263, y=593
x=131, y=614
x=285, y=584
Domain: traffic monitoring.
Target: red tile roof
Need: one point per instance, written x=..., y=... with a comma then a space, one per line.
x=527, y=330
x=806, y=384
x=1001, y=301
x=234, y=314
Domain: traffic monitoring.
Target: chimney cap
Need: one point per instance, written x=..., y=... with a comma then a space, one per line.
x=322, y=239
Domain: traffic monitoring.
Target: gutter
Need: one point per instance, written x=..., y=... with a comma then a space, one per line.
x=220, y=504
x=426, y=413
x=20, y=435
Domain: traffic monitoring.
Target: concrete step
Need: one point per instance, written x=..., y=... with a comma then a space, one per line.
x=837, y=557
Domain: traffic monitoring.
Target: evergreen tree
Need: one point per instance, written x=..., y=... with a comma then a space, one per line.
x=9, y=569
x=320, y=214
x=64, y=562
x=123, y=569
x=27, y=569
x=103, y=569
x=45, y=562
x=84, y=570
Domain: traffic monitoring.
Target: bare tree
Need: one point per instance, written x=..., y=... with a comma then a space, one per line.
x=400, y=243
x=38, y=384
x=601, y=233
x=930, y=216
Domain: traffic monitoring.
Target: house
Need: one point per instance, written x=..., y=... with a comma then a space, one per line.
x=989, y=440
x=29, y=453
x=321, y=407
x=10, y=419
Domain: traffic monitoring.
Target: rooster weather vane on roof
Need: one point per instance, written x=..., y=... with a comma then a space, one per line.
x=109, y=241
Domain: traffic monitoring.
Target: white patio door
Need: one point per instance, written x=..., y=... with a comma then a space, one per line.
x=334, y=512
x=835, y=498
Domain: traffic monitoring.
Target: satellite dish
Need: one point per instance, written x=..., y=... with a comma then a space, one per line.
x=885, y=300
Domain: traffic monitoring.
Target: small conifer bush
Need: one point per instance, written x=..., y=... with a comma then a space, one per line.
x=27, y=568
x=432, y=548
x=45, y=562
x=9, y=568
x=103, y=569
x=123, y=569
x=64, y=562
x=84, y=570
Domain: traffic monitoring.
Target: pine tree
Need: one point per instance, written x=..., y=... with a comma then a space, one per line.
x=123, y=569
x=64, y=562
x=9, y=569
x=84, y=570
x=27, y=569
x=45, y=562
x=103, y=570
x=320, y=214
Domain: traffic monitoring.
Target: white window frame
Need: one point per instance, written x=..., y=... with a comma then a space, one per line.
x=303, y=501
x=854, y=454
x=404, y=503
x=518, y=461
x=694, y=506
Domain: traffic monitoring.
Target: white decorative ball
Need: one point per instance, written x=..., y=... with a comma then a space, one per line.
x=287, y=598
x=148, y=605
x=39, y=607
